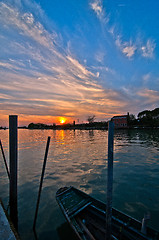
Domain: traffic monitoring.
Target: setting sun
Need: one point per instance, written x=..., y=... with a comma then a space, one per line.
x=62, y=120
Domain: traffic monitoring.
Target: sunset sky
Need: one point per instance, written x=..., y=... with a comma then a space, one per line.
x=74, y=59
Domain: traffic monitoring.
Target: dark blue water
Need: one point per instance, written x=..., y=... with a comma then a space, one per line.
x=79, y=158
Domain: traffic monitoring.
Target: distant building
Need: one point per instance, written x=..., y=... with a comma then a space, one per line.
x=120, y=121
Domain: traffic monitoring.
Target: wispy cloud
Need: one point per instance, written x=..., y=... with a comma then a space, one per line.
x=127, y=48
x=9, y=66
x=151, y=96
x=141, y=99
x=147, y=50
x=99, y=56
x=79, y=68
x=97, y=7
x=104, y=69
x=146, y=78
x=129, y=51
x=25, y=24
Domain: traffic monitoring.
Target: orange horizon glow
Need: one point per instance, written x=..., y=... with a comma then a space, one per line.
x=25, y=120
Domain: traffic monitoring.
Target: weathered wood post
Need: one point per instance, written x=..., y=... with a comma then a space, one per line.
x=41, y=182
x=13, y=160
x=109, y=181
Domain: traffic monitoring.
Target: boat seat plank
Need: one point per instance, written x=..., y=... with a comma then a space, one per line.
x=77, y=210
x=73, y=203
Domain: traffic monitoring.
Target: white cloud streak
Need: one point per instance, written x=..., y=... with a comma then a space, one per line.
x=147, y=50
x=97, y=7
x=129, y=51
x=150, y=97
x=146, y=78
x=25, y=24
x=128, y=48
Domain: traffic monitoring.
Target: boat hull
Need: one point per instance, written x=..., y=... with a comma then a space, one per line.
x=87, y=217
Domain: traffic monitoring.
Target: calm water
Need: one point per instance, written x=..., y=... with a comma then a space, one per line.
x=78, y=158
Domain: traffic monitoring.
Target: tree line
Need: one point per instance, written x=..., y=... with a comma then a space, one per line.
x=145, y=118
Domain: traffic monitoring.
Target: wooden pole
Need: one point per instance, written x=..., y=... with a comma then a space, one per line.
x=13, y=157
x=5, y=162
x=41, y=182
x=109, y=181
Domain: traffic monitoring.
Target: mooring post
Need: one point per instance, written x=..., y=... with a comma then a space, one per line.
x=41, y=182
x=13, y=160
x=109, y=181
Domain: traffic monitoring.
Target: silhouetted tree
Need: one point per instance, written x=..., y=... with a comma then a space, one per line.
x=149, y=118
x=144, y=113
x=31, y=125
x=91, y=119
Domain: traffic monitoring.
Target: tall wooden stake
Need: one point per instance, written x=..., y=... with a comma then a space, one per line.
x=41, y=182
x=109, y=181
x=13, y=160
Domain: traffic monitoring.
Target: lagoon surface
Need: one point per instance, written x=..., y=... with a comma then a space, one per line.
x=79, y=158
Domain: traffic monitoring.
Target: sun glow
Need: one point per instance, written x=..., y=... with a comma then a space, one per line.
x=62, y=120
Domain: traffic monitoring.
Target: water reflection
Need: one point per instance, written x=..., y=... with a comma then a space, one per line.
x=65, y=232
x=141, y=136
x=91, y=134
x=78, y=158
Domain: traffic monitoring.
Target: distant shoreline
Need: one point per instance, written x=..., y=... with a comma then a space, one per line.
x=85, y=128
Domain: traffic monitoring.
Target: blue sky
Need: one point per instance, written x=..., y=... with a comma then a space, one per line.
x=78, y=58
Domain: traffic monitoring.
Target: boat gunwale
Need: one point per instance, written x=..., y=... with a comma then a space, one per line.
x=102, y=208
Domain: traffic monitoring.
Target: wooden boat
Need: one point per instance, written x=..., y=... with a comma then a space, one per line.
x=87, y=217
